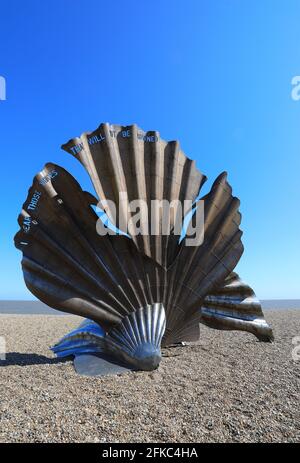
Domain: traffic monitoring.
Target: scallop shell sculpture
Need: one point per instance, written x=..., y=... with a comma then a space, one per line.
x=137, y=289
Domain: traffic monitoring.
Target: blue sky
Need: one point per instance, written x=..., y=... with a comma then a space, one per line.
x=215, y=75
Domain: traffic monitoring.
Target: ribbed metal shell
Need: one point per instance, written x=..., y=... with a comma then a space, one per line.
x=68, y=266
x=136, y=341
x=139, y=336
x=141, y=164
x=86, y=339
x=234, y=306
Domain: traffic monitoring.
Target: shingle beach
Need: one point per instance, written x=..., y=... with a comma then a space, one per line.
x=228, y=387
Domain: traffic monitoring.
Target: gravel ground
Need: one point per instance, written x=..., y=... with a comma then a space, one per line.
x=226, y=388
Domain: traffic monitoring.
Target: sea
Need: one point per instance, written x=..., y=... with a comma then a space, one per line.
x=36, y=307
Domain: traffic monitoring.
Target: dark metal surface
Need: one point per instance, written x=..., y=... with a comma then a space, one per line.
x=68, y=266
x=144, y=166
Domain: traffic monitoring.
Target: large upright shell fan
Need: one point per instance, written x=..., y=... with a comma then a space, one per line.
x=142, y=290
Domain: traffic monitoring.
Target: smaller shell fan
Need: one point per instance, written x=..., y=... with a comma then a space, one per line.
x=234, y=306
x=135, y=342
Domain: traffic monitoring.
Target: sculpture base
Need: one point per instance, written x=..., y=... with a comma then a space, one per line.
x=98, y=365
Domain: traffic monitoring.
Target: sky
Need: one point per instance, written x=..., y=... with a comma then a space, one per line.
x=217, y=76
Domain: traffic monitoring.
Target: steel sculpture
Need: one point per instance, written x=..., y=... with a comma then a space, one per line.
x=138, y=291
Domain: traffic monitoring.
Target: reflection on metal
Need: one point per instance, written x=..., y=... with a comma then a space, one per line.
x=122, y=283
x=135, y=341
x=234, y=306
